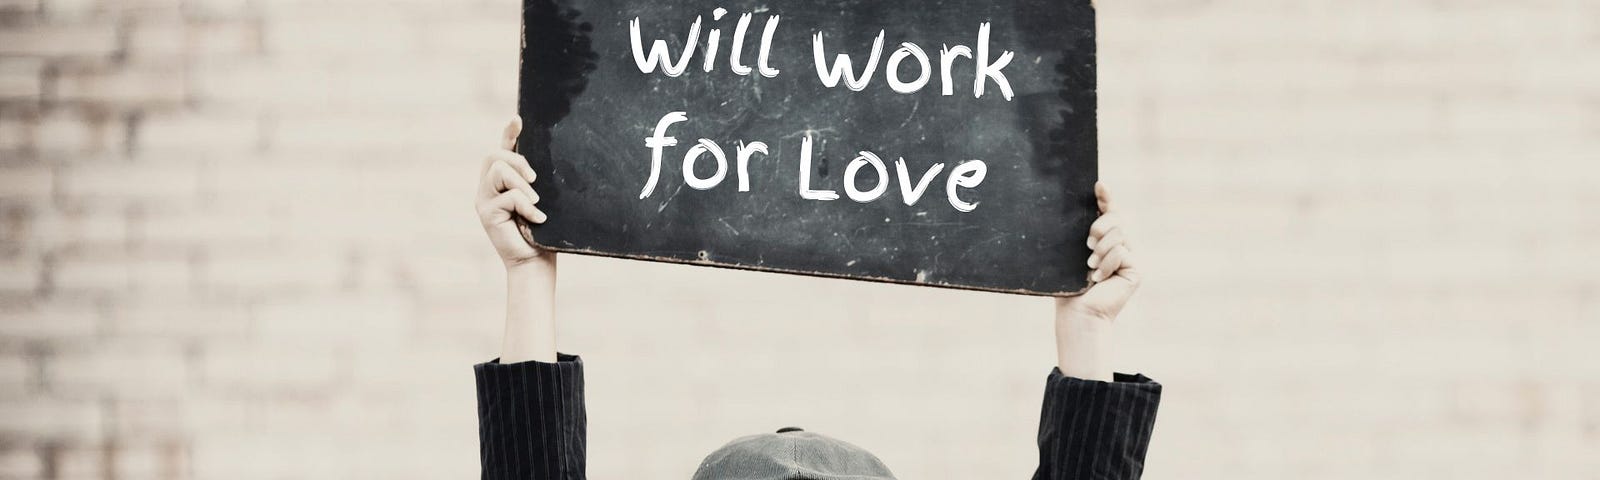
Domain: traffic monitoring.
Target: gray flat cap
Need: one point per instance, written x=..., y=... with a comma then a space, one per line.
x=791, y=454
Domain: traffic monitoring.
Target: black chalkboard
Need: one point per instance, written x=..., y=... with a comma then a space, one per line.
x=1020, y=213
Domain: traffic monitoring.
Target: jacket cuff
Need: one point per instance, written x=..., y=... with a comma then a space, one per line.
x=1094, y=429
x=531, y=419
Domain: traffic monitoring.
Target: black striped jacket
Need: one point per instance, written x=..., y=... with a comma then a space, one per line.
x=532, y=426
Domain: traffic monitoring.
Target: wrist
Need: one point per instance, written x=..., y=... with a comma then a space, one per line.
x=530, y=312
x=1081, y=321
x=542, y=266
x=1082, y=340
x=1083, y=356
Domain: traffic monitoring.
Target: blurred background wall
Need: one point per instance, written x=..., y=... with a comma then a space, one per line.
x=237, y=242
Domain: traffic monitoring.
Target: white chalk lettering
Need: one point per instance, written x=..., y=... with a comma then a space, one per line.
x=911, y=193
x=744, y=162
x=735, y=51
x=855, y=192
x=805, y=175
x=766, y=48
x=714, y=38
x=965, y=175
x=697, y=183
x=660, y=54
x=892, y=72
x=655, y=143
x=738, y=46
x=947, y=56
x=990, y=71
x=842, y=66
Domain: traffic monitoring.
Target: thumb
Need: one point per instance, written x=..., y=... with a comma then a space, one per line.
x=508, y=139
x=1102, y=195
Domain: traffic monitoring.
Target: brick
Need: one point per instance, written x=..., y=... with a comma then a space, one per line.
x=273, y=84
x=454, y=318
x=149, y=460
x=81, y=460
x=16, y=133
x=250, y=457
x=430, y=90
x=20, y=462
x=168, y=39
x=359, y=132
x=153, y=418
x=180, y=318
x=47, y=319
x=127, y=369
x=82, y=9
x=21, y=79
x=491, y=35
x=212, y=226
x=51, y=419
x=31, y=182
x=19, y=6
x=328, y=34
x=20, y=276
x=332, y=320
x=279, y=369
x=185, y=135
x=17, y=376
x=222, y=8
x=97, y=272
x=132, y=85
x=73, y=132
x=281, y=272
x=93, y=40
x=112, y=182
x=148, y=6
x=158, y=40
x=221, y=415
x=384, y=367
x=68, y=229
x=1524, y=118
x=71, y=8
x=444, y=271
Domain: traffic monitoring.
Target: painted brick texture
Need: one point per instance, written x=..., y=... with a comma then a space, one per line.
x=237, y=242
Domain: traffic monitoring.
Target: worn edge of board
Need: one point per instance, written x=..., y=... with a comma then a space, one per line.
x=527, y=234
x=526, y=230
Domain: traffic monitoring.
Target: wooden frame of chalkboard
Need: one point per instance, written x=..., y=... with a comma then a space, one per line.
x=950, y=143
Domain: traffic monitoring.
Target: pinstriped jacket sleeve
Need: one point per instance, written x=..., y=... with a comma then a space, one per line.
x=1096, y=430
x=531, y=420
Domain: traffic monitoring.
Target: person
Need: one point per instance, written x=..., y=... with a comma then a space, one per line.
x=532, y=425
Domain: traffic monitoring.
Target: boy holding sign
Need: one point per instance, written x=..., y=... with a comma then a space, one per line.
x=532, y=425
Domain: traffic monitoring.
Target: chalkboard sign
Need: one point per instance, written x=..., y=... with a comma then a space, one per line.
x=944, y=142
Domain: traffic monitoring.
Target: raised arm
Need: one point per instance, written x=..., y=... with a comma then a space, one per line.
x=505, y=193
x=531, y=419
x=1096, y=424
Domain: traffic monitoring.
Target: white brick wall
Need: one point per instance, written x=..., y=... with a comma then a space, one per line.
x=236, y=241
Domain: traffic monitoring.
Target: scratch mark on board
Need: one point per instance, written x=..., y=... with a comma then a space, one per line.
x=730, y=227
x=809, y=131
x=911, y=115
x=669, y=199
